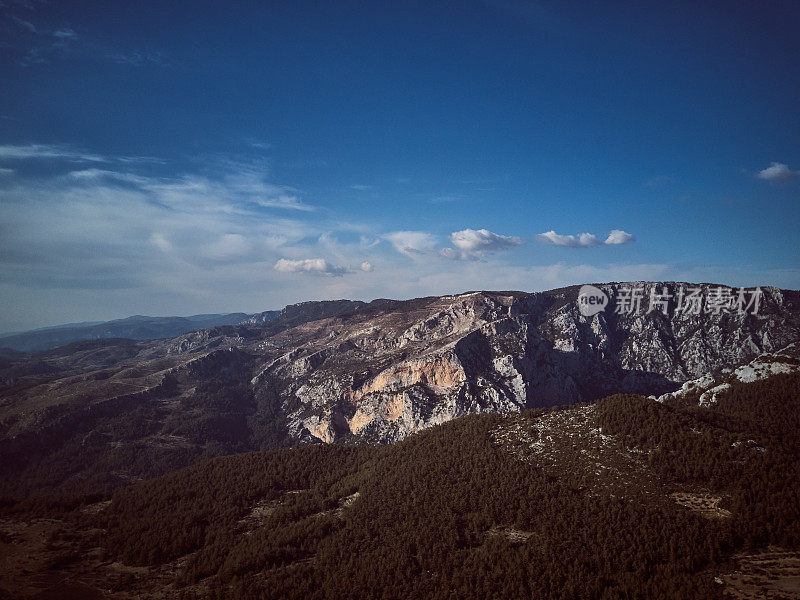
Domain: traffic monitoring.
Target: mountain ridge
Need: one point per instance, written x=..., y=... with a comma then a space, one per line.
x=350, y=372
x=138, y=327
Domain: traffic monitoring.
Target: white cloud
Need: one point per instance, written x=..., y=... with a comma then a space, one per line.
x=777, y=172
x=474, y=243
x=584, y=240
x=103, y=229
x=366, y=266
x=617, y=236
x=570, y=241
x=112, y=239
x=412, y=243
x=309, y=265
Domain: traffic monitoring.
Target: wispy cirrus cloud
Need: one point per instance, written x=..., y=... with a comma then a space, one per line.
x=67, y=153
x=39, y=43
x=33, y=151
x=94, y=174
x=26, y=4
x=98, y=231
x=585, y=240
x=284, y=201
x=65, y=34
x=412, y=243
x=26, y=24
x=137, y=58
x=42, y=42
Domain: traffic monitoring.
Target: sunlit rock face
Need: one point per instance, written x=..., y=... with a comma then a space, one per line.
x=379, y=375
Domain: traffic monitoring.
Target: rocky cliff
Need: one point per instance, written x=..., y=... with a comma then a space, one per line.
x=379, y=377
x=369, y=372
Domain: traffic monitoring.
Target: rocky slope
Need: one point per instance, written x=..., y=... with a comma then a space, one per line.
x=347, y=371
x=706, y=390
x=379, y=377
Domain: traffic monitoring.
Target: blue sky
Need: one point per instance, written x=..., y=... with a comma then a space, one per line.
x=176, y=158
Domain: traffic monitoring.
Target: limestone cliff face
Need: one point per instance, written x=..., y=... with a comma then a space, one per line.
x=379, y=376
x=345, y=371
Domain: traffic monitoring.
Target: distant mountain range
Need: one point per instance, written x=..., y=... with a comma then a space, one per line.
x=138, y=327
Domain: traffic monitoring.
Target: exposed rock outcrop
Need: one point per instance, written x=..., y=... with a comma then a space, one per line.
x=380, y=375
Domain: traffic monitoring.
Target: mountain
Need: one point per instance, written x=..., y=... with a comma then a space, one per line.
x=394, y=368
x=137, y=327
x=628, y=497
x=97, y=414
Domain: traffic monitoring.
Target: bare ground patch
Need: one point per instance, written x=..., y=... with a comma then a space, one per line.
x=514, y=536
x=702, y=503
x=773, y=573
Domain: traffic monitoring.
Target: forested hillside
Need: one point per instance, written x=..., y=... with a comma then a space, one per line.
x=462, y=510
